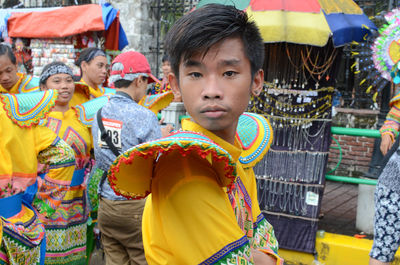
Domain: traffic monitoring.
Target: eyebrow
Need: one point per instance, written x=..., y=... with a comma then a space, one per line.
x=191, y=63
x=231, y=62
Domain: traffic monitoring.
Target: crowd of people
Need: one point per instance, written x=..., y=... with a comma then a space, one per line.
x=75, y=153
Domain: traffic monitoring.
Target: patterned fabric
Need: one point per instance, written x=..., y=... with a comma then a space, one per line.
x=93, y=184
x=58, y=155
x=159, y=88
x=139, y=125
x=255, y=135
x=53, y=70
x=386, y=224
x=28, y=109
x=65, y=205
x=392, y=122
x=264, y=236
x=25, y=84
x=22, y=238
x=237, y=252
x=157, y=102
x=87, y=111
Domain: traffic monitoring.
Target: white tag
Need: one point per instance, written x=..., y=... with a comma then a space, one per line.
x=312, y=198
x=113, y=129
x=307, y=100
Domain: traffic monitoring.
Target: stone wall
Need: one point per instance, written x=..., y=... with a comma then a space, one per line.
x=139, y=22
x=356, y=151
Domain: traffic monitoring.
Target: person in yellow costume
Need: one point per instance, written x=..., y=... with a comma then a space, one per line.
x=67, y=215
x=22, y=145
x=202, y=207
x=94, y=66
x=10, y=80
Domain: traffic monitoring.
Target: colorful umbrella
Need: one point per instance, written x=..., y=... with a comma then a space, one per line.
x=307, y=21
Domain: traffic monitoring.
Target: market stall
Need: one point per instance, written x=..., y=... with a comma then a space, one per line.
x=41, y=36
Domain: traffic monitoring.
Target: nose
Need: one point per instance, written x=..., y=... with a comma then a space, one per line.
x=211, y=88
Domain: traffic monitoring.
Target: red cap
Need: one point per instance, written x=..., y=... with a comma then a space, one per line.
x=128, y=64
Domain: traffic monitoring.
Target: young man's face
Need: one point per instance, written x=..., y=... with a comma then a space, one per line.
x=216, y=88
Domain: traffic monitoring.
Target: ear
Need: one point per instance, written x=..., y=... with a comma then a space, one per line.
x=173, y=82
x=43, y=87
x=258, y=82
x=84, y=65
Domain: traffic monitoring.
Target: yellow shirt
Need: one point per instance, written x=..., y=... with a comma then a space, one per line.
x=20, y=149
x=69, y=128
x=84, y=92
x=187, y=208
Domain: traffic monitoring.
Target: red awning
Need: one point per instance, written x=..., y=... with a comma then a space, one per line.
x=57, y=23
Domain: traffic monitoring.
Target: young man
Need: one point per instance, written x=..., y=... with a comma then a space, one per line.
x=10, y=80
x=203, y=206
x=128, y=124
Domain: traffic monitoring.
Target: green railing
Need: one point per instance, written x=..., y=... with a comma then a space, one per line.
x=350, y=132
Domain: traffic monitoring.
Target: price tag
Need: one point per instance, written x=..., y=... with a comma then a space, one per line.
x=113, y=129
x=312, y=198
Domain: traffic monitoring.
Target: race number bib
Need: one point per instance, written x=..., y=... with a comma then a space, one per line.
x=113, y=129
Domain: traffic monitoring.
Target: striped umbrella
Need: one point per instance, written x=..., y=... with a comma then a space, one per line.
x=310, y=22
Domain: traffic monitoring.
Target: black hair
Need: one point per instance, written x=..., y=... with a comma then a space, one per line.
x=122, y=83
x=165, y=58
x=87, y=55
x=6, y=50
x=200, y=29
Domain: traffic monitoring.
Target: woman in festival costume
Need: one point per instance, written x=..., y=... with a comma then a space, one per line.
x=10, y=80
x=387, y=193
x=203, y=206
x=22, y=145
x=94, y=66
x=63, y=200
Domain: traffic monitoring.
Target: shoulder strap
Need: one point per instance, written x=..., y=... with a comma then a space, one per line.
x=104, y=135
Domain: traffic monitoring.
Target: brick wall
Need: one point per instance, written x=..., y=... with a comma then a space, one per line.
x=356, y=155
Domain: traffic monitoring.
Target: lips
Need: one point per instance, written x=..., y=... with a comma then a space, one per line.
x=213, y=111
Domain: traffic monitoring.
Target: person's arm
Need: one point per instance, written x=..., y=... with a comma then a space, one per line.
x=390, y=129
x=55, y=153
x=60, y=158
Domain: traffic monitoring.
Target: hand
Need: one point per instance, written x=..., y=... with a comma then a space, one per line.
x=166, y=130
x=262, y=258
x=386, y=143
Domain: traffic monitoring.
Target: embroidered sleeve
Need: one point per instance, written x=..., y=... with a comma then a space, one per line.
x=58, y=154
x=264, y=239
x=61, y=160
x=392, y=122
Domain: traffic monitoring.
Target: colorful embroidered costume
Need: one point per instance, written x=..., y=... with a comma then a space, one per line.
x=84, y=92
x=160, y=87
x=63, y=200
x=26, y=83
x=22, y=145
x=203, y=206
